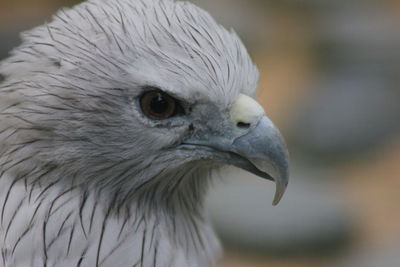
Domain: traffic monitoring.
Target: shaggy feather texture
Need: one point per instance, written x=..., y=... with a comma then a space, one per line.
x=85, y=178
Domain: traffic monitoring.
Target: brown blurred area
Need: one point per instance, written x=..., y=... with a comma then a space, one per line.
x=30, y=9
x=292, y=52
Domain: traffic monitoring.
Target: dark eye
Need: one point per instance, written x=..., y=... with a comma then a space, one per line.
x=158, y=105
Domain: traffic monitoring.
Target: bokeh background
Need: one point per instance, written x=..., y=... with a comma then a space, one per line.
x=330, y=79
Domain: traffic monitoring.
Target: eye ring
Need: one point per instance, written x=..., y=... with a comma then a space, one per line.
x=158, y=105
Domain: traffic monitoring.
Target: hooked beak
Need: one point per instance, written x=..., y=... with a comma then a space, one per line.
x=265, y=149
x=259, y=149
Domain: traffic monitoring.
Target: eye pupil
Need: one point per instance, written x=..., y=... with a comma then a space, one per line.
x=159, y=104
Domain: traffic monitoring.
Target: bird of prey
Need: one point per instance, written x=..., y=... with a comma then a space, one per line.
x=113, y=118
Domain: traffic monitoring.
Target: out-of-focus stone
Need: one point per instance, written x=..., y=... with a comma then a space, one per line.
x=354, y=111
x=353, y=107
x=384, y=256
x=311, y=218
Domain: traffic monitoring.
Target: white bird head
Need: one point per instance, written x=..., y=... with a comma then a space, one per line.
x=127, y=93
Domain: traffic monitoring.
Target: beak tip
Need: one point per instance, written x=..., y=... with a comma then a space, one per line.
x=280, y=191
x=276, y=200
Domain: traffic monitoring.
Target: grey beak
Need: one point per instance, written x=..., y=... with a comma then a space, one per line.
x=265, y=148
x=260, y=150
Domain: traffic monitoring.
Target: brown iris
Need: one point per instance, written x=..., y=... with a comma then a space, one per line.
x=158, y=105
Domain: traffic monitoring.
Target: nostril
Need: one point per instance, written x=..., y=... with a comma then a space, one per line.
x=191, y=127
x=243, y=125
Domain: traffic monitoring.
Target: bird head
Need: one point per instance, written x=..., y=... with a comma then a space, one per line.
x=128, y=96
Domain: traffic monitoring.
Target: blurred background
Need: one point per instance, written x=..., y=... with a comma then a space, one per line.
x=330, y=79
